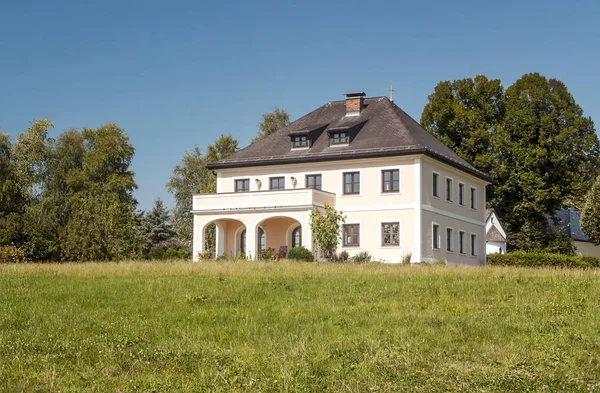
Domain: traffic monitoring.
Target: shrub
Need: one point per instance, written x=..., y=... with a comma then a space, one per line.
x=529, y=259
x=326, y=229
x=362, y=257
x=168, y=250
x=12, y=254
x=206, y=256
x=406, y=258
x=267, y=254
x=301, y=254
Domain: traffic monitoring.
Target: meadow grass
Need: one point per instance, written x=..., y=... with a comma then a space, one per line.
x=297, y=327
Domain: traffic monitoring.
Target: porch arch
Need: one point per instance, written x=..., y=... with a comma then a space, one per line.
x=278, y=230
x=227, y=236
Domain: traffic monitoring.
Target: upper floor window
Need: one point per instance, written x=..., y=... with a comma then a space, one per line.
x=351, y=183
x=436, y=185
x=351, y=235
x=277, y=183
x=390, y=180
x=390, y=233
x=313, y=181
x=461, y=194
x=473, y=198
x=449, y=189
x=242, y=185
x=299, y=141
x=340, y=138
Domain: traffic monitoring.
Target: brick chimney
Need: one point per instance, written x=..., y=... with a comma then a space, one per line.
x=355, y=103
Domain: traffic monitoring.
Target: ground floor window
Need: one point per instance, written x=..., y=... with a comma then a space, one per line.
x=390, y=233
x=297, y=237
x=351, y=236
x=473, y=245
x=243, y=242
x=436, y=236
x=461, y=242
x=262, y=240
x=449, y=239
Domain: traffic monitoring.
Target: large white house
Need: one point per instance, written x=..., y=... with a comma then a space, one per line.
x=402, y=190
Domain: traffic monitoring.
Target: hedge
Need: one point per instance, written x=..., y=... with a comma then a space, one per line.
x=530, y=259
x=300, y=254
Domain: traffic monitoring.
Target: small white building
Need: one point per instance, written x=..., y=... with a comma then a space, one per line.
x=495, y=236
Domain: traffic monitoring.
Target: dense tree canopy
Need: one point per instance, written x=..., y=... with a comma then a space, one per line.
x=73, y=195
x=271, y=122
x=533, y=139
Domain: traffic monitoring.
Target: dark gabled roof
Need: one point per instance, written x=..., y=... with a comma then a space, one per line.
x=568, y=219
x=382, y=129
x=494, y=235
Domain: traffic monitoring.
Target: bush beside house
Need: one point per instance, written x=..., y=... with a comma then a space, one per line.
x=530, y=259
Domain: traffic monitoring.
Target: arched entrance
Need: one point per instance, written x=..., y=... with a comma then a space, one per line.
x=227, y=238
x=278, y=232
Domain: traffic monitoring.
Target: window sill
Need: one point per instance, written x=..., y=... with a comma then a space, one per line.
x=389, y=246
x=436, y=197
x=351, y=246
x=300, y=148
x=349, y=195
x=340, y=145
x=390, y=193
x=450, y=202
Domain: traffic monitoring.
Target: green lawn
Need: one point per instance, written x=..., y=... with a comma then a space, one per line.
x=280, y=327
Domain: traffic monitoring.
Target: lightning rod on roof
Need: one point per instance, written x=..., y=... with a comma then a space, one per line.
x=391, y=90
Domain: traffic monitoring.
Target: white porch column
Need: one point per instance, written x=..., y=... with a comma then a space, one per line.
x=251, y=240
x=220, y=241
x=198, y=238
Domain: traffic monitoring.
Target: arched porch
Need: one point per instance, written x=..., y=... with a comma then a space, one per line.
x=280, y=231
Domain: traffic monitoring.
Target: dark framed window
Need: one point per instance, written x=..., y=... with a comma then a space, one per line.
x=300, y=141
x=297, y=237
x=262, y=240
x=242, y=185
x=313, y=181
x=461, y=242
x=473, y=245
x=449, y=239
x=351, y=236
x=473, y=198
x=461, y=194
x=390, y=233
x=351, y=183
x=243, y=242
x=340, y=138
x=436, y=185
x=277, y=183
x=449, y=189
x=436, y=236
x=390, y=180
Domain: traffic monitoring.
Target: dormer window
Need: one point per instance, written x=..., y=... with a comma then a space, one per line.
x=299, y=141
x=340, y=138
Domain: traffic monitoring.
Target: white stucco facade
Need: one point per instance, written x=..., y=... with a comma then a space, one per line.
x=414, y=210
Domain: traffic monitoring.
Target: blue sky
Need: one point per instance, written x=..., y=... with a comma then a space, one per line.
x=180, y=73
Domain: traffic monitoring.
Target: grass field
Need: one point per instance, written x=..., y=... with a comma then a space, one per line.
x=287, y=327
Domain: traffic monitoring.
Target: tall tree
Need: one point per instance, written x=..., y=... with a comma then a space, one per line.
x=463, y=114
x=192, y=176
x=546, y=153
x=532, y=139
x=155, y=225
x=101, y=203
x=12, y=202
x=271, y=122
x=590, y=214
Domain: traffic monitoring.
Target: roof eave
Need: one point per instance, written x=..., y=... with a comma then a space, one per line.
x=339, y=157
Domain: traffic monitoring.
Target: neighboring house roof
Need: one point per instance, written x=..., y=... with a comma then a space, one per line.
x=569, y=220
x=494, y=235
x=382, y=129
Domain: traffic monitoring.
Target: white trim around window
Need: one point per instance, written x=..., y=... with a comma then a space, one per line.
x=450, y=239
x=390, y=168
x=462, y=246
x=462, y=203
x=390, y=221
x=450, y=181
x=473, y=196
x=473, y=244
x=437, y=185
x=435, y=225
